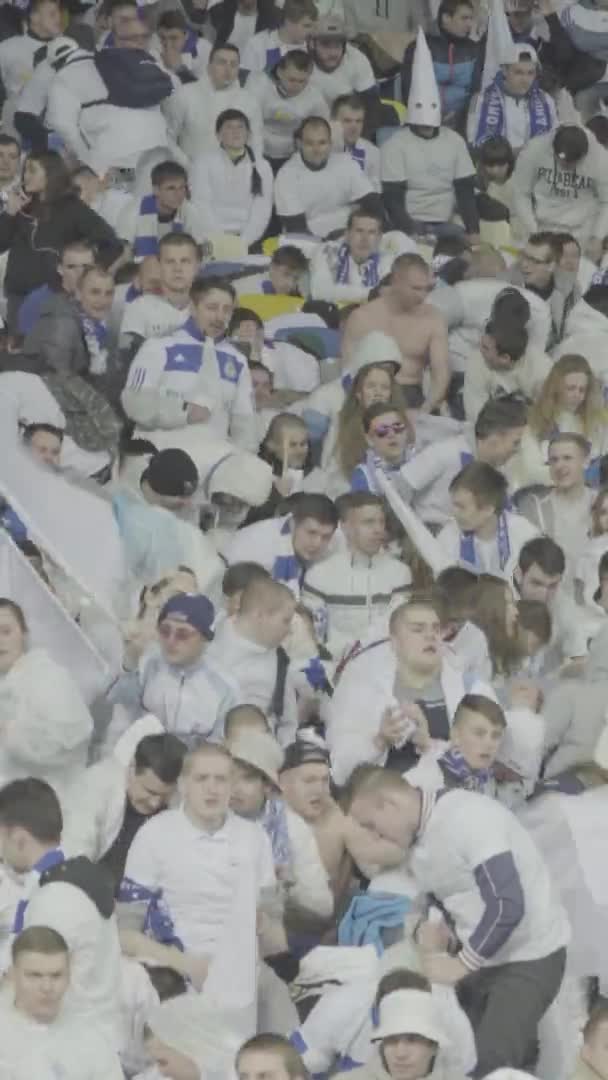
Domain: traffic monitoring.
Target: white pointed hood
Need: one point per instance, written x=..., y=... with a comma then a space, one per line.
x=423, y=103
x=500, y=47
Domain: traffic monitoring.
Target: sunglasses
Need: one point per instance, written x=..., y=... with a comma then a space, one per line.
x=176, y=633
x=389, y=429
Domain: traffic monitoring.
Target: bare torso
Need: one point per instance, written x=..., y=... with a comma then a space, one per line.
x=330, y=830
x=411, y=330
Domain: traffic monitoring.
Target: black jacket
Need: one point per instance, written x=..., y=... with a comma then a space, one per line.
x=34, y=241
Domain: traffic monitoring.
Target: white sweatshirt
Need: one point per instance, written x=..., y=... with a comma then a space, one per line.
x=193, y=110
x=282, y=115
x=221, y=191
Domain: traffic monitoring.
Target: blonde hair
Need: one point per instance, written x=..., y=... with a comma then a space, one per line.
x=546, y=409
x=351, y=443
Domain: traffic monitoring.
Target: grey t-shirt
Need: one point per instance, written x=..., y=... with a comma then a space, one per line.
x=432, y=702
x=429, y=167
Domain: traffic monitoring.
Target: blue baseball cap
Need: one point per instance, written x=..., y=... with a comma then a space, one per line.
x=194, y=609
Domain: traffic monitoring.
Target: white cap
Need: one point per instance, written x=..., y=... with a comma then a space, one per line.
x=523, y=52
x=521, y=747
x=408, y=1012
x=375, y=348
x=423, y=103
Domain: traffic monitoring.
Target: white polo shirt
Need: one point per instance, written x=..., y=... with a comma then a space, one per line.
x=199, y=872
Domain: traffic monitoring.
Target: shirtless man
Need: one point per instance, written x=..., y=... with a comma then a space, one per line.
x=305, y=788
x=418, y=328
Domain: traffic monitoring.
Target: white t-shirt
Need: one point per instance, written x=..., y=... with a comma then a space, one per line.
x=353, y=75
x=429, y=167
x=152, y=316
x=323, y=195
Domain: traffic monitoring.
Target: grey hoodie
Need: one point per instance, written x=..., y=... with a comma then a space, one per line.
x=575, y=713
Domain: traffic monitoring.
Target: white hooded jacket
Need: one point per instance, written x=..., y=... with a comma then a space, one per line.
x=364, y=691
x=44, y=721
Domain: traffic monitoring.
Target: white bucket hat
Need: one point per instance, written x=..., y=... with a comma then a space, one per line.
x=408, y=1012
x=260, y=751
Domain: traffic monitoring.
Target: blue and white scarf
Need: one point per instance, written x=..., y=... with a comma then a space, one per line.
x=96, y=340
x=468, y=550
x=369, y=270
x=464, y=776
x=287, y=568
x=146, y=229
x=492, y=115
x=268, y=288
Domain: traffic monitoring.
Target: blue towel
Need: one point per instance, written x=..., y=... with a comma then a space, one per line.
x=368, y=915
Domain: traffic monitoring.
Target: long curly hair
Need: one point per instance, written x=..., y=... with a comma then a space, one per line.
x=351, y=443
x=546, y=409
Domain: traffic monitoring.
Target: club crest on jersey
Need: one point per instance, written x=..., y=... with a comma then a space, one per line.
x=183, y=357
x=230, y=368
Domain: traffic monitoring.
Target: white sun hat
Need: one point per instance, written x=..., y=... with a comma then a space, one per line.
x=408, y=1012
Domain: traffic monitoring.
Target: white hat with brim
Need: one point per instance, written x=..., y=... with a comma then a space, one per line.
x=243, y=476
x=259, y=750
x=409, y=1012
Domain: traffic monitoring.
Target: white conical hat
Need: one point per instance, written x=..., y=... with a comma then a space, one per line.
x=424, y=103
x=500, y=48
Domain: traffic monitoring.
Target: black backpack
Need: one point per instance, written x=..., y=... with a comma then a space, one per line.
x=133, y=78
